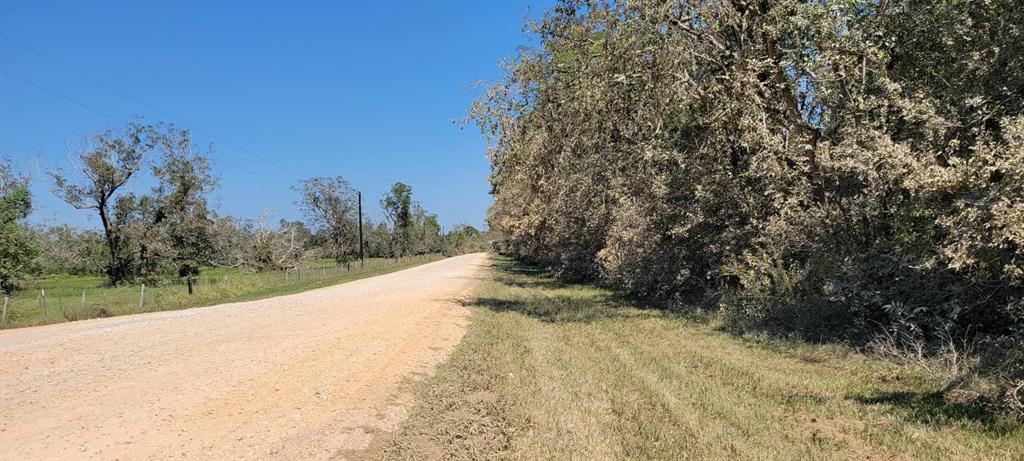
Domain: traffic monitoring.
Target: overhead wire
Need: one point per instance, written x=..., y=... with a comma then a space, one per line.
x=112, y=117
x=133, y=99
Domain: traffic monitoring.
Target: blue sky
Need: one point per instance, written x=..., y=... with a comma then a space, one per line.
x=364, y=90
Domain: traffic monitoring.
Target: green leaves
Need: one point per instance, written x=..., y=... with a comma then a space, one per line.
x=18, y=249
x=330, y=204
x=15, y=204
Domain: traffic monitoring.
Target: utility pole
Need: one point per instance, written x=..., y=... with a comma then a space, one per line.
x=360, y=195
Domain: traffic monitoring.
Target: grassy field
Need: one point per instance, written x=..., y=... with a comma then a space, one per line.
x=551, y=371
x=64, y=294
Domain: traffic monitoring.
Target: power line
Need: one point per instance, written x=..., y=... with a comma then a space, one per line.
x=61, y=96
x=130, y=98
x=83, y=74
x=112, y=117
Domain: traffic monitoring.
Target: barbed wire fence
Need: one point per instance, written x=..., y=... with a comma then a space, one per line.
x=40, y=306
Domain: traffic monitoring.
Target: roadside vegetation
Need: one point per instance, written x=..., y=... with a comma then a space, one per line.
x=170, y=240
x=62, y=298
x=550, y=370
x=847, y=171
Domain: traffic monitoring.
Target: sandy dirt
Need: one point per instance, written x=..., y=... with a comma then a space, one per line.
x=305, y=376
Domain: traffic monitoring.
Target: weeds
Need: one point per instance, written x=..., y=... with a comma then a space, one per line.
x=970, y=376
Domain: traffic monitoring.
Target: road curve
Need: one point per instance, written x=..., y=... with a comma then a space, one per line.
x=304, y=376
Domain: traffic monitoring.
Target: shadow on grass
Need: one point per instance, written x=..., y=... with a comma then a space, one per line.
x=932, y=409
x=536, y=283
x=522, y=275
x=554, y=301
x=511, y=266
x=561, y=308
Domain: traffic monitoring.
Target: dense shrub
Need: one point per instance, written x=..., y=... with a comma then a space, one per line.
x=830, y=169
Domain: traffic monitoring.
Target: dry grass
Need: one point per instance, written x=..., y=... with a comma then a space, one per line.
x=551, y=371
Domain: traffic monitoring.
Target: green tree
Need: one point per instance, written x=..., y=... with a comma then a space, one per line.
x=397, y=205
x=106, y=165
x=464, y=238
x=427, y=231
x=377, y=240
x=18, y=249
x=330, y=205
x=183, y=214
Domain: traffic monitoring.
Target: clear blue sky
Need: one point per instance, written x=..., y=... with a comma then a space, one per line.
x=365, y=90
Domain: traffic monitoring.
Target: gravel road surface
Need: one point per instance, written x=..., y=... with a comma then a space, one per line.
x=305, y=376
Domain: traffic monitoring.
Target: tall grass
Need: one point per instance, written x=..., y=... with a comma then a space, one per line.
x=64, y=298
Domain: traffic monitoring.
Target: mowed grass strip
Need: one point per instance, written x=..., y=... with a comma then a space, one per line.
x=552, y=371
x=63, y=300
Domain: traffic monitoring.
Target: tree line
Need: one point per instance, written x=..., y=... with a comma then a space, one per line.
x=172, y=231
x=833, y=169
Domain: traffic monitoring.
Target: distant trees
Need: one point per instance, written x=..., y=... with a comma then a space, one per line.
x=258, y=246
x=171, y=228
x=426, y=231
x=377, y=240
x=463, y=238
x=18, y=250
x=413, y=230
x=329, y=204
x=397, y=206
x=231, y=242
x=65, y=249
x=275, y=249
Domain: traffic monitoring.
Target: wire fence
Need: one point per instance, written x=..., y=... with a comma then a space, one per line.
x=78, y=299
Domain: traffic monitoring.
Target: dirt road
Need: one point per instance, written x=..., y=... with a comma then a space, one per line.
x=304, y=376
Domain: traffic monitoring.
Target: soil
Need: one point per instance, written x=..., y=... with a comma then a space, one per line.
x=303, y=376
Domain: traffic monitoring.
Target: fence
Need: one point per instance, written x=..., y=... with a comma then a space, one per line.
x=60, y=302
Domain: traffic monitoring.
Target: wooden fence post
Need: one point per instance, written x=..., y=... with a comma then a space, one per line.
x=42, y=303
x=83, y=298
x=142, y=295
x=7, y=299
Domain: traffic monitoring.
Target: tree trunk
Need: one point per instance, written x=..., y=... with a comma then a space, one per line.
x=115, y=272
